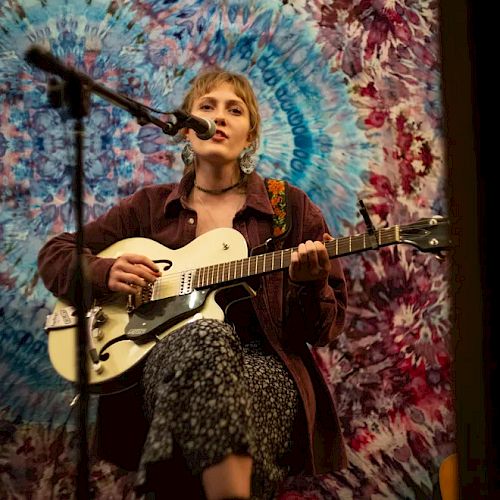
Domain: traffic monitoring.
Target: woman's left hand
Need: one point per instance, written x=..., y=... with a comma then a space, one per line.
x=310, y=262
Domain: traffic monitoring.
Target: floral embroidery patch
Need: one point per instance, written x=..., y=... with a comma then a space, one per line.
x=277, y=195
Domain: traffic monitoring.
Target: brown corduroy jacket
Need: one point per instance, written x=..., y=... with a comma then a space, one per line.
x=290, y=316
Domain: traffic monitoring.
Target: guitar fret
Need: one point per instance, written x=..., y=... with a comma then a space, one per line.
x=359, y=244
x=279, y=259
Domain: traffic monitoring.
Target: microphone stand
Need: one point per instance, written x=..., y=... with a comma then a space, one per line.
x=75, y=92
x=78, y=105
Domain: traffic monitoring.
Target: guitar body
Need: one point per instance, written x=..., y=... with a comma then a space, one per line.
x=217, y=246
x=124, y=329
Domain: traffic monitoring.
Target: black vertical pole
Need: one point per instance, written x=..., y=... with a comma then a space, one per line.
x=77, y=99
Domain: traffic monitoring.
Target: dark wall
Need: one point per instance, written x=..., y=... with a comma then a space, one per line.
x=469, y=97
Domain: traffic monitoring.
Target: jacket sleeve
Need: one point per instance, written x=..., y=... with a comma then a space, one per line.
x=57, y=258
x=314, y=312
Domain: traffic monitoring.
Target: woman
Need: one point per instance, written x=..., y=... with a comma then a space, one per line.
x=240, y=405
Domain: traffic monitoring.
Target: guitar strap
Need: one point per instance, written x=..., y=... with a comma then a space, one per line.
x=277, y=190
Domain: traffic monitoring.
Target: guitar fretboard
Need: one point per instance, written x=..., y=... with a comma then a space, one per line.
x=280, y=259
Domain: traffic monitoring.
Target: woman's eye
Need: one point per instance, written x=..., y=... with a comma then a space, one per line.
x=236, y=111
x=205, y=106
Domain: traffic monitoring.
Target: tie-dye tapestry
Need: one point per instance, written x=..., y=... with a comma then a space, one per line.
x=350, y=99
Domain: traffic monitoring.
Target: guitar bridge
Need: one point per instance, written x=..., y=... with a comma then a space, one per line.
x=142, y=296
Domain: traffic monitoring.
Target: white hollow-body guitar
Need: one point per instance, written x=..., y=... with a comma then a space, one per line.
x=122, y=330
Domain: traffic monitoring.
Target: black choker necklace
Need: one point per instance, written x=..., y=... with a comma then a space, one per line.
x=218, y=191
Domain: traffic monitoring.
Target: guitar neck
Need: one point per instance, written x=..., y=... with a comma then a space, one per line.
x=280, y=259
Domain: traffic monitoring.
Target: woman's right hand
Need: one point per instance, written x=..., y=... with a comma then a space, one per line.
x=130, y=271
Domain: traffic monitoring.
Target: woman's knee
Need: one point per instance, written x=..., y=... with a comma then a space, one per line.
x=213, y=333
x=206, y=341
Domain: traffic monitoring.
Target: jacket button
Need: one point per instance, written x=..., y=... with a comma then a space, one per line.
x=190, y=220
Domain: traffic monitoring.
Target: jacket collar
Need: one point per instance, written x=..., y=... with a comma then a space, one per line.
x=256, y=199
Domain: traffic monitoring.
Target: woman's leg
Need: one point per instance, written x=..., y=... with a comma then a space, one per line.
x=219, y=403
x=196, y=400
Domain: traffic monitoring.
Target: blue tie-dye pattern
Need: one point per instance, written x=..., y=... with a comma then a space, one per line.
x=302, y=100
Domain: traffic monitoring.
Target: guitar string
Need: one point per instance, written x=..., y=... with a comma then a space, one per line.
x=385, y=235
x=344, y=241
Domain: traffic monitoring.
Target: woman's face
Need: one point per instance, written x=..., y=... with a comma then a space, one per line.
x=232, y=121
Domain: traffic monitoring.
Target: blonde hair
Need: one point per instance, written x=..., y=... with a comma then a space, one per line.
x=209, y=80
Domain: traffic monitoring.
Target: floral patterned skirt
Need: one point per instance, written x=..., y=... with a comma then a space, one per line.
x=206, y=396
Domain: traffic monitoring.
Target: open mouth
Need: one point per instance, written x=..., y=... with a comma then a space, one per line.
x=220, y=134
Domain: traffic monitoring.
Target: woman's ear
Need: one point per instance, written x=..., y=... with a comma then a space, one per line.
x=250, y=142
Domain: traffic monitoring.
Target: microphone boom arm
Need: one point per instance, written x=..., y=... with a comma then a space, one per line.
x=45, y=61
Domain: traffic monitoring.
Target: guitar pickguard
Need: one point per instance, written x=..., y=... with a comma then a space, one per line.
x=155, y=317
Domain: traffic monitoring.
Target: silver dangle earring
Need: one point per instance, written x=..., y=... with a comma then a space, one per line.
x=247, y=161
x=187, y=154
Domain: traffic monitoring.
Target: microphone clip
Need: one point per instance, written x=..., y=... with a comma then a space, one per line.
x=204, y=129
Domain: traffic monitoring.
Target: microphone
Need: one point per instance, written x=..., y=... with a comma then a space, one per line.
x=204, y=128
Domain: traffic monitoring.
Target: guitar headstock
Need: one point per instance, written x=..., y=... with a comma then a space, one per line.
x=428, y=235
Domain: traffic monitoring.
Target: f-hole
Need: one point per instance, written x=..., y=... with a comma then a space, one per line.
x=167, y=264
